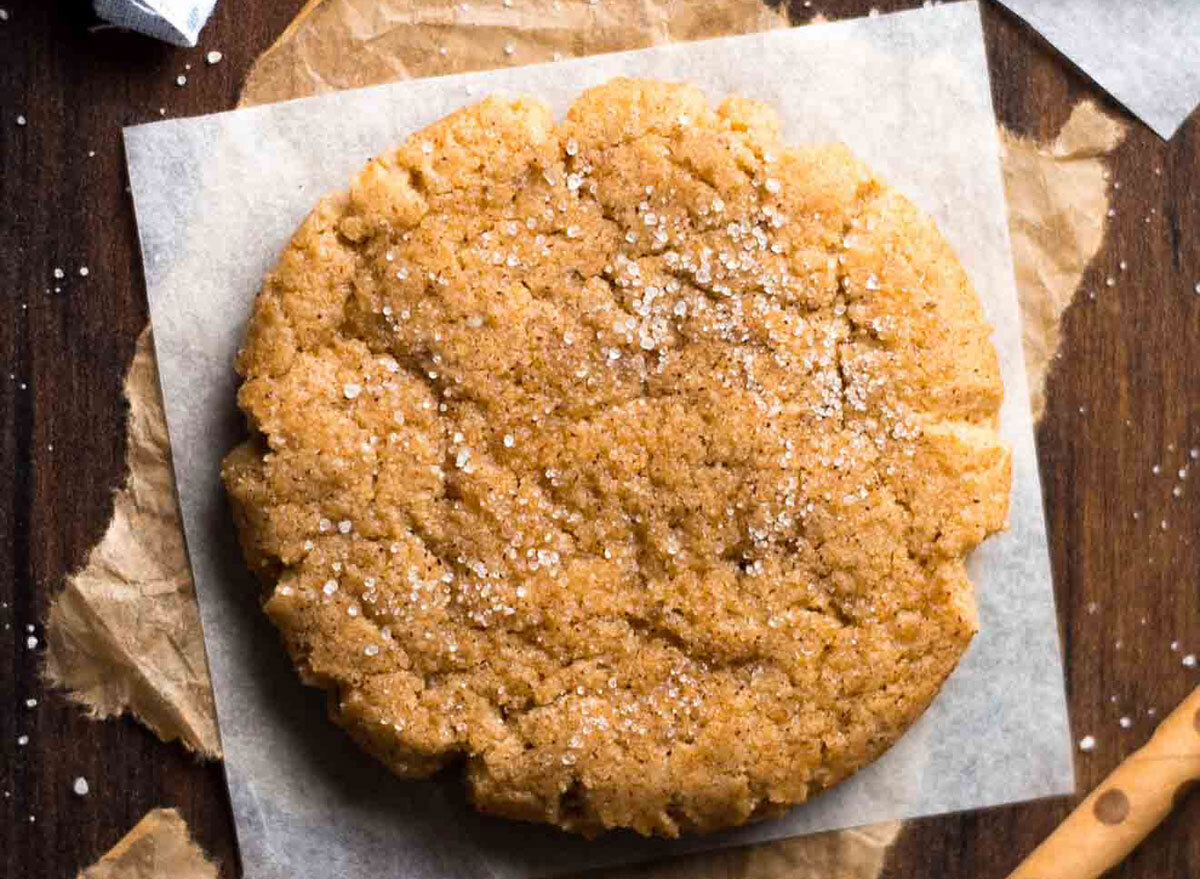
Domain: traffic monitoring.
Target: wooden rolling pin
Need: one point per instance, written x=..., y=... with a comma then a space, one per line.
x=1131, y=802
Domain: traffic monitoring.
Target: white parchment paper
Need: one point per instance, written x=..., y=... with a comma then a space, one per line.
x=1145, y=53
x=218, y=197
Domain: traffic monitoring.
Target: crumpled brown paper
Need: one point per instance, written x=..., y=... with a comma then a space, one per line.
x=124, y=635
x=340, y=44
x=841, y=854
x=158, y=847
x=1057, y=205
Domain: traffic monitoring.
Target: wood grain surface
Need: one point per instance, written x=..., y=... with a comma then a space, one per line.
x=1123, y=398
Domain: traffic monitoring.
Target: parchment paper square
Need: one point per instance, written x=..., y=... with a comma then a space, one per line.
x=217, y=197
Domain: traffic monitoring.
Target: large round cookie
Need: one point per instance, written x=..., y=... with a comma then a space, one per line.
x=628, y=463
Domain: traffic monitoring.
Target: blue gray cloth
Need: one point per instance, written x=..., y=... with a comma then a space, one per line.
x=175, y=21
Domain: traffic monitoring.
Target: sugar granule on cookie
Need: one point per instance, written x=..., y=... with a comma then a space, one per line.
x=628, y=462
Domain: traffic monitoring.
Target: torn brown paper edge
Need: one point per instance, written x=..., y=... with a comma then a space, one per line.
x=858, y=853
x=340, y=44
x=1057, y=203
x=1057, y=209
x=158, y=847
x=124, y=634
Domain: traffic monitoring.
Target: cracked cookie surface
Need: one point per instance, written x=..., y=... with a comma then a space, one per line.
x=628, y=462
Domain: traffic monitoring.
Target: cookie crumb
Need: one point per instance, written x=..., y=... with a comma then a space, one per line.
x=81, y=787
x=1087, y=744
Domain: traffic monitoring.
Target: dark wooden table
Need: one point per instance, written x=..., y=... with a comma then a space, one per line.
x=1124, y=397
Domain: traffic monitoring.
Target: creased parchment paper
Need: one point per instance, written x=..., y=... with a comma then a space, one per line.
x=216, y=198
x=1145, y=53
x=1057, y=206
x=124, y=634
x=158, y=847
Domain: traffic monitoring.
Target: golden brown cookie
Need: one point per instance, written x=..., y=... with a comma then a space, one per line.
x=629, y=461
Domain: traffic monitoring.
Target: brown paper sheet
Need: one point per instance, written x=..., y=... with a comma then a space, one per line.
x=340, y=44
x=124, y=634
x=843, y=854
x=158, y=847
x=1057, y=206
